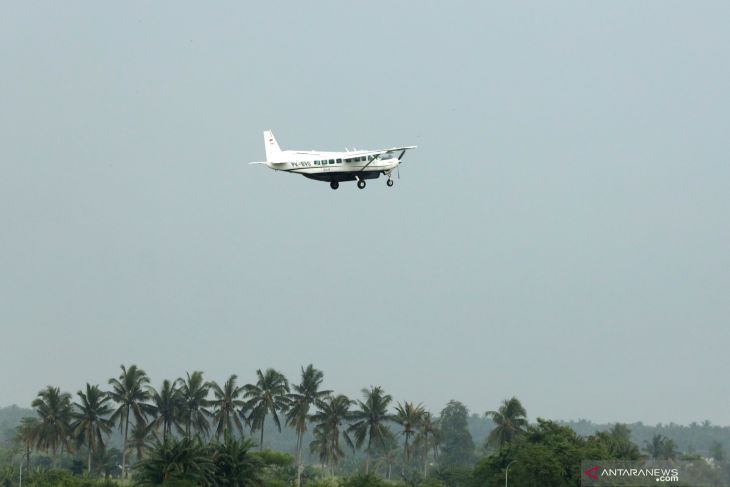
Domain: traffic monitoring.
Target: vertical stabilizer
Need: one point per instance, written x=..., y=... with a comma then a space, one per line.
x=273, y=152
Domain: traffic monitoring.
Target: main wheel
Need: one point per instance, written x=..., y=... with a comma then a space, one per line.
x=389, y=182
x=361, y=184
x=334, y=185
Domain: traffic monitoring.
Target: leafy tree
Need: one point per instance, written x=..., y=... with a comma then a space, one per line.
x=267, y=396
x=167, y=407
x=130, y=394
x=91, y=420
x=546, y=455
x=305, y=394
x=620, y=430
x=617, y=441
x=226, y=406
x=330, y=417
x=54, y=414
x=510, y=421
x=194, y=398
x=369, y=421
x=717, y=452
x=457, y=445
x=662, y=448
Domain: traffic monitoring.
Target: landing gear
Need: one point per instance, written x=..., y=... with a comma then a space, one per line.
x=361, y=183
x=389, y=182
x=334, y=184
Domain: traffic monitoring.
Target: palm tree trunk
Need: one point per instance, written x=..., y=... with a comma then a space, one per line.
x=261, y=445
x=405, y=456
x=124, y=446
x=89, y=462
x=300, y=435
x=27, y=458
x=367, y=457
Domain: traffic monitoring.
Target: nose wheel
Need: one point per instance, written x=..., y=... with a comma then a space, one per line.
x=389, y=182
x=334, y=185
x=361, y=183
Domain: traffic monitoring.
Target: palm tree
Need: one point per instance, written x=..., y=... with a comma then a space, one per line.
x=226, y=406
x=409, y=417
x=331, y=415
x=129, y=393
x=234, y=464
x=267, y=396
x=167, y=407
x=427, y=438
x=27, y=435
x=54, y=413
x=305, y=394
x=510, y=422
x=182, y=460
x=138, y=440
x=370, y=419
x=91, y=420
x=194, y=395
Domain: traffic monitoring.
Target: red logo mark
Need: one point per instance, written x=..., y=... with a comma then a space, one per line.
x=591, y=472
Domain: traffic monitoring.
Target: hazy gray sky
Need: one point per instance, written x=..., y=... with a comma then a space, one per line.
x=561, y=234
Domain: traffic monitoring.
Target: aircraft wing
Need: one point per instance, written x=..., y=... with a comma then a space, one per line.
x=383, y=151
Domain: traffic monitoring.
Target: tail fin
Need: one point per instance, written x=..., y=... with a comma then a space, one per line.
x=273, y=152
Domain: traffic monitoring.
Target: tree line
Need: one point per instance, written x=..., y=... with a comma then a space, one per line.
x=192, y=407
x=191, y=428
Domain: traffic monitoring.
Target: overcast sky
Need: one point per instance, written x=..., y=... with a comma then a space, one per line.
x=561, y=233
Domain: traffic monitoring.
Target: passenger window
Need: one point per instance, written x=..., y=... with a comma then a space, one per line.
x=332, y=161
x=339, y=161
x=316, y=162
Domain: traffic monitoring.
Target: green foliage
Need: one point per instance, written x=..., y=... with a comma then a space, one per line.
x=457, y=446
x=549, y=454
x=366, y=480
x=62, y=478
x=453, y=475
x=233, y=464
x=268, y=396
x=174, y=459
x=194, y=403
x=188, y=461
x=662, y=448
x=274, y=458
x=330, y=426
x=510, y=421
x=54, y=412
x=179, y=483
x=370, y=421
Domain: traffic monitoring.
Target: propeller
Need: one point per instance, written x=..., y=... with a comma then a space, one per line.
x=399, y=158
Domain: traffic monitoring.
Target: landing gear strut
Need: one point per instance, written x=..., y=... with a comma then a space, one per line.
x=361, y=183
x=334, y=184
x=389, y=182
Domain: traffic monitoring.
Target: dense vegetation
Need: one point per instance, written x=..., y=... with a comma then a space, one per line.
x=193, y=432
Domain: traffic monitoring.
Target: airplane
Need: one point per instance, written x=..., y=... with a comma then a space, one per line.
x=334, y=167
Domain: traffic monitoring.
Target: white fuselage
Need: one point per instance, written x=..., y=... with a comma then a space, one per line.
x=311, y=163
